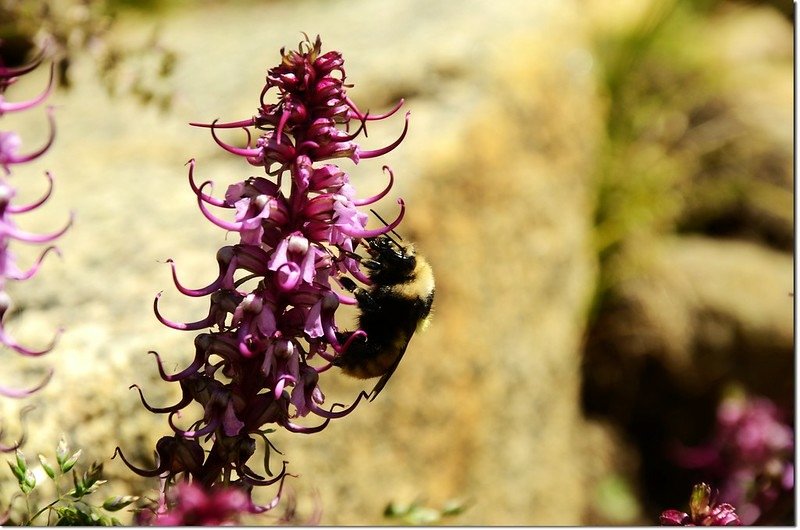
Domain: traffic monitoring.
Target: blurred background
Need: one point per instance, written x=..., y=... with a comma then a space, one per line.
x=604, y=189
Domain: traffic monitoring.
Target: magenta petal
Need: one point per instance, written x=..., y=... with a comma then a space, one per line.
x=234, y=150
x=227, y=225
x=22, y=105
x=6, y=339
x=31, y=272
x=190, y=326
x=379, y=196
x=353, y=232
x=362, y=155
x=204, y=291
x=28, y=207
x=17, y=393
x=200, y=195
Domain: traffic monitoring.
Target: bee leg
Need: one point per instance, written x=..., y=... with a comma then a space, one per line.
x=372, y=264
x=348, y=284
x=364, y=298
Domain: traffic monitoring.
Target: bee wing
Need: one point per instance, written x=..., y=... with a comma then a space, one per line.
x=385, y=377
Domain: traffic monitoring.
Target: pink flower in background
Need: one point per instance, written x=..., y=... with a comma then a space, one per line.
x=750, y=455
x=12, y=155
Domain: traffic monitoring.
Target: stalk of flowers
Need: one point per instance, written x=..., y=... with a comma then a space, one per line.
x=272, y=307
x=11, y=158
x=750, y=455
x=703, y=511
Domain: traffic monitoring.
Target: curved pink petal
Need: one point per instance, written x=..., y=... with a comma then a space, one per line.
x=22, y=105
x=361, y=155
x=30, y=237
x=20, y=393
x=200, y=195
x=28, y=274
x=353, y=232
x=32, y=206
x=379, y=196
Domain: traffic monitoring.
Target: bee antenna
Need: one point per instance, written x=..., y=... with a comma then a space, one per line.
x=386, y=224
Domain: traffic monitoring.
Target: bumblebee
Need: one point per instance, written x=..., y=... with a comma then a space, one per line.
x=397, y=304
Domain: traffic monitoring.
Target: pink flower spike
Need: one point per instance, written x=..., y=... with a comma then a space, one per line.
x=362, y=155
x=22, y=105
x=32, y=206
x=17, y=394
x=379, y=196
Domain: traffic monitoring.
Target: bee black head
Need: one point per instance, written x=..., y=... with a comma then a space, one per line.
x=391, y=263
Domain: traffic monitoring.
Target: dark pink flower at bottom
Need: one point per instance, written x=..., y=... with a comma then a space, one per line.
x=703, y=511
x=191, y=505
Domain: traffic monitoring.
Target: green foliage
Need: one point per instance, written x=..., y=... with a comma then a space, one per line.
x=416, y=514
x=663, y=96
x=71, y=507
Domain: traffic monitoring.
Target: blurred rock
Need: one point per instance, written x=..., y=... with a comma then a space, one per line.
x=709, y=310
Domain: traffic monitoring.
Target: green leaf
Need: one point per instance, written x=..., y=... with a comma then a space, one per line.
x=47, y=467
x=62, y=450
x=18, y=473
x=25, y=477
x=28, y=483
x=453, y=507
x=21, y=460
x=80, y=489
x=422, y=516
x=69, y=463
x=113, y=504
x=94, y=486
x=93, y=474
x=79, y=514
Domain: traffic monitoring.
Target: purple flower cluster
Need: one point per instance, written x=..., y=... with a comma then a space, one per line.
x=271, y=322
x=750, y=455
x=703, y=511
x=11, y=157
